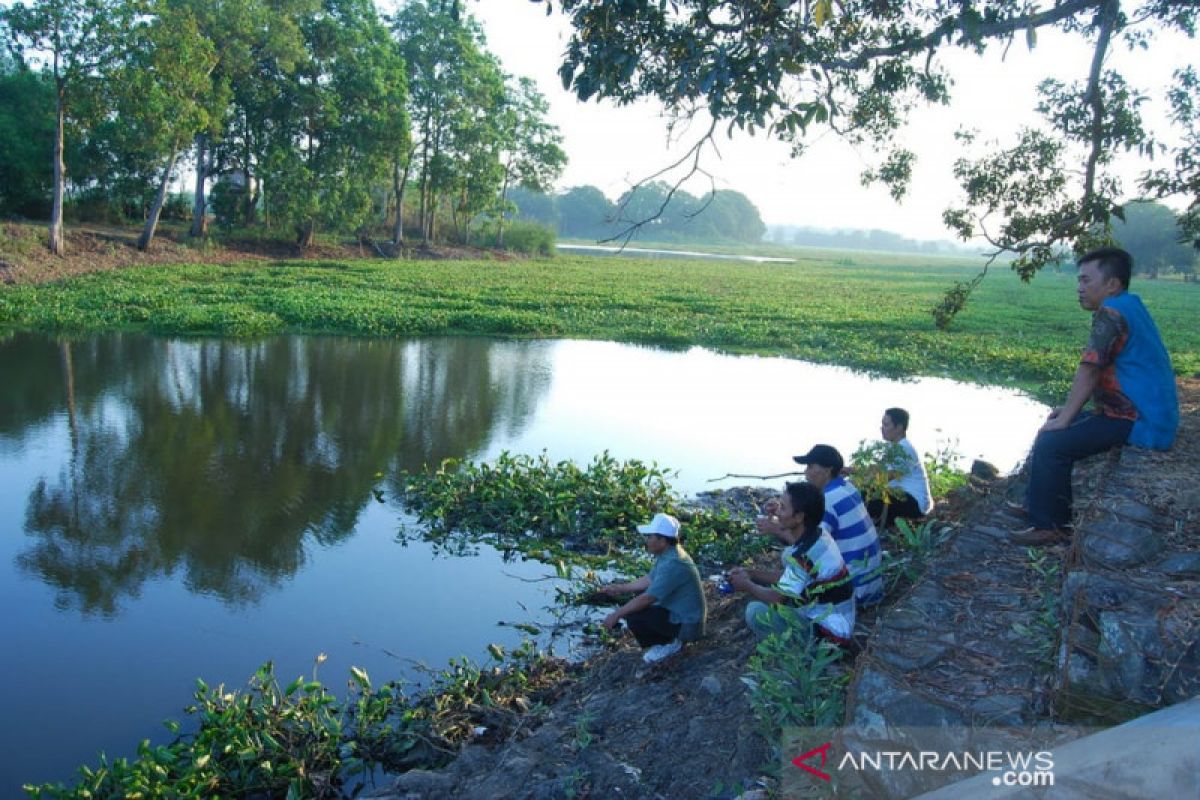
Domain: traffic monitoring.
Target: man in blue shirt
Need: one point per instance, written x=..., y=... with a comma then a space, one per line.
x=1125, y=371
x=847, y=521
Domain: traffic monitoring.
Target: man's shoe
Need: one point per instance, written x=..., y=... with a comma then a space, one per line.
x=1016, y=509
x=1040, y=537
x=660, y=651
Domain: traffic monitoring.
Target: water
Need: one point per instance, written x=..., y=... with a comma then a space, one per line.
x=177, y=509
x=649, y=252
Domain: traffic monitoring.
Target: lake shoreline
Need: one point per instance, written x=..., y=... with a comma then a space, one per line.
x=869, y=314
x=595, y=739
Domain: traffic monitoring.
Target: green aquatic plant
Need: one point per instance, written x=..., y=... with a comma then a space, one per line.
x=563, y=513
x=865, y=311
x=301, y=741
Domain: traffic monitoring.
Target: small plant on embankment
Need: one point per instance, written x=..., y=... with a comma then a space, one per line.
x=1043, y=631
x=300, y=741
x=909, y=549
x=792, y=680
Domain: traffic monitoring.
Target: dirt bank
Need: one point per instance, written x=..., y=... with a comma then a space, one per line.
x=89, y=248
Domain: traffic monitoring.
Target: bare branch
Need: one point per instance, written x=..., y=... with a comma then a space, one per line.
x=1095, y=99
x=756, y=477
x=693, y=154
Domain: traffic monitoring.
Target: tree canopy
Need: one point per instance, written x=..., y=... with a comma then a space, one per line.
x=306, y=116
x=859, y=67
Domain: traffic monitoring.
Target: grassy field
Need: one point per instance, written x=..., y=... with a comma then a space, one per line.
x=867, y=311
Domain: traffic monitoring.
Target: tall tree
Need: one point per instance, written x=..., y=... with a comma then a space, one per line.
x=531, y=151
x=338, y=120
x=262, y=46
x=164, y=91
x=74, y=39
x=452, y=85
x=26, y=135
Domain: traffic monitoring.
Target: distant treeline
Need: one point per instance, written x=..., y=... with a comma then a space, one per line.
x=1148, y=230
x=650, y=212
x=855, y=239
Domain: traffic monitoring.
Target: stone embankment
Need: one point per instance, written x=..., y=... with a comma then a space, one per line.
x=1002, y=647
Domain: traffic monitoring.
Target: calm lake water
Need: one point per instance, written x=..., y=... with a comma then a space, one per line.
x=649, y=252
x=173, y=509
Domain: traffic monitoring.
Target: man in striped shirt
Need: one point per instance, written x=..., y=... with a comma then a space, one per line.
x=812, y=586
x=847, y=521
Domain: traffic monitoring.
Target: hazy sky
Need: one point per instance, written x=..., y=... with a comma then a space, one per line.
x=611, y=147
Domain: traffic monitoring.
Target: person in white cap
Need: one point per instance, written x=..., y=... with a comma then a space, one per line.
x=669, y=608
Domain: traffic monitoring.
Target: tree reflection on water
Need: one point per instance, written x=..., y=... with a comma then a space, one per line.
x=217, y=460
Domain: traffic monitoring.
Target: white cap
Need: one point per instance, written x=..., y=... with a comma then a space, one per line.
x=663, y=525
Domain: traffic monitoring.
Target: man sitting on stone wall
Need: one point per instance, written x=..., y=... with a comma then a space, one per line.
x=1126, y=372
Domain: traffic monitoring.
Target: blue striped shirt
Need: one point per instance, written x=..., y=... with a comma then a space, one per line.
x=847, y=521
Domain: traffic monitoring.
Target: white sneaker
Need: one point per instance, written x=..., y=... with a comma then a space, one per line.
x=660, y=651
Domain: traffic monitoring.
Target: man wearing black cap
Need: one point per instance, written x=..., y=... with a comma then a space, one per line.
x=670, y=608
x=847, y=520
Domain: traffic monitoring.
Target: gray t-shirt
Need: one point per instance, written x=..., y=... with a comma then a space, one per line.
x=675, y=585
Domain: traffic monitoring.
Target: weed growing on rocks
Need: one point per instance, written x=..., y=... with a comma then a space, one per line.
x=794, y=680
x=1042, y=633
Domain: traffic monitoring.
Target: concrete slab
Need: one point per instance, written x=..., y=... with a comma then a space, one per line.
x=1152, y=757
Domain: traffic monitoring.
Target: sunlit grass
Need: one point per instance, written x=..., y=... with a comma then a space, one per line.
x=865, y=311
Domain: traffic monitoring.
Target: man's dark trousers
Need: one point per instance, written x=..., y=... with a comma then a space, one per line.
x=1048, y=498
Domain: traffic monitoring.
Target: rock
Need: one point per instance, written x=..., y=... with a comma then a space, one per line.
x=1118, y=545
x=711, y=684
x=418, y=783
x=1133, y=511
x=907, y=619
x=1182, y=564
x=1001, y=709
x=913, y=654
x=1184, y=681
x=983, y=470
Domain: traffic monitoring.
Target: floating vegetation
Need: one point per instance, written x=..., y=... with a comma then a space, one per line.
x=560, y=511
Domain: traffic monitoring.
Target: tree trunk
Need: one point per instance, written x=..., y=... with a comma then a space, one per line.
x=426, y=193
x=60, y=177
x=248, y=199
x=399, y=182
x=200, y=206
x=159, y=200
x=305, y=233
x=503, y=201
x=424, y=212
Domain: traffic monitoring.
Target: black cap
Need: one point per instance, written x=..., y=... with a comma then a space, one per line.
x=822, y=455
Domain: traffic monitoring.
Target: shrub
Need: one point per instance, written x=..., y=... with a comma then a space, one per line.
x=529, y=238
